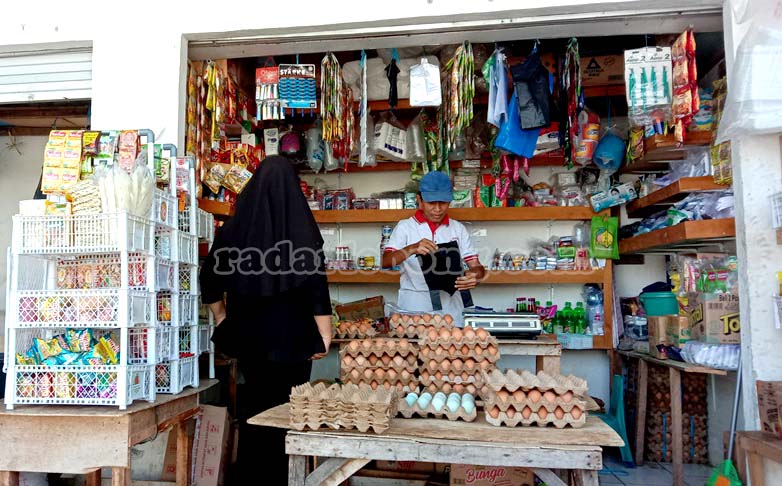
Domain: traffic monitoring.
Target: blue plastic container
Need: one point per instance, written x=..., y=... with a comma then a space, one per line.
x=659, y=303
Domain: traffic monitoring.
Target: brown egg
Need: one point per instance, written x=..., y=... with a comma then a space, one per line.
x=439, y=351
x=391, y=374
x=366, y=343
x=457, y=334
x=432, y=388
x=481, y=333
x=457, y=364
x=368, y=373
x=576, y=413
x=381, y=343
x=445, y=334
x=419, y=330
x=406, y=319
x=471, y=389
x=372, y=360
x=519, y=395
x=398, y=360
x=534, y=396
x=492, y=350
x=503, y=396
x=448, y=319
x=361, y=361
x=438, y=375
x=394, y=318
x=484, y=390
x=427, y=318
x=425, y=375
x=403, y=343
x=452, y=350
x=458, y=388
x=400, y=329
x=494, y=412
x=550, y=396
x=347, y=360
x=447, y=388
x=526, y=413
x=542, y=413
x=485, y=365
x=510, y=412
x=567, y=396
x=469, y=364
x=445, y=365
x=400, y=387
x=559, y=413
x=469, y=333
x=404, y=374
x=412, y=359
x=465, y=376
x=386, y=359
x=437, y=319
x=432, y=364
x=425, y=351
x=380, y=373
x=355, y=375
x=432, y=335
x=387, y=385
x=353, y=345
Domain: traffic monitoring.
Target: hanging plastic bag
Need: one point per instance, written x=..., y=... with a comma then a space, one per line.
x=610, y=152
x=329, y=161
x=604, y=241
x=415, y=143
x=314, y=146
x=425, y=84
x=390, y=139
x=511, y=138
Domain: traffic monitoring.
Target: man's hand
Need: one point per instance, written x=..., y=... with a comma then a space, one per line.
x=423, y=247
x=468, y=281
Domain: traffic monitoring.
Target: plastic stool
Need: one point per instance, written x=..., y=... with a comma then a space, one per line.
x=615, y=418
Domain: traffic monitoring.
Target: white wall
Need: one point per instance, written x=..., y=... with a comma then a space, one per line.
x=18, y=179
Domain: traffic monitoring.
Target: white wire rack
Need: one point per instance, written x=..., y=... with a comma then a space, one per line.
x=186, y=279
x=188, y=341
x=82, y=308
x=164, y=209
x=204, y=224
x=165, y=275
x=81, y=234
x=174, y=376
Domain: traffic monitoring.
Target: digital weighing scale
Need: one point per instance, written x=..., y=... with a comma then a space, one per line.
x=505, y=324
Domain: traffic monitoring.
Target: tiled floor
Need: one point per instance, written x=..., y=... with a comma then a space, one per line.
x=650, y=474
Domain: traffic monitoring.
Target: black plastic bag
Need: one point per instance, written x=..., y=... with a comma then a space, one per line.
x=531, y=80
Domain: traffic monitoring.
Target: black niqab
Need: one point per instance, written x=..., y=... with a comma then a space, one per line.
x=273, y=232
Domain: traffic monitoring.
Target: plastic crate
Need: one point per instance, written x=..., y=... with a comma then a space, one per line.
x=81, y=308
x=188, y=249
x=188, y=341
x=184, y=221
x=174, y=376
x=164, y=209
x=165, y=308
x=188, y=306
x=165, y=275
x=205, y=338
x=97, y=272
x=206, y=225
x=163, y=242
x=140, y=352
x=81, y=234
x=78, y=385
x=185, y=279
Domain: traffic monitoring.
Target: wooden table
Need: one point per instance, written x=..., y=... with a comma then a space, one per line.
x=83, y=439
x=443, y=441
x=675, y=369
x=751, y=448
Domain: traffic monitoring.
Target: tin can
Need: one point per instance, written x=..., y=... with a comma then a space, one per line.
x=369, y=261
x=387, y=230
x=362, y=263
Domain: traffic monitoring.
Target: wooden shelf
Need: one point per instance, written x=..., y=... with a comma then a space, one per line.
x=668, y=195
x=463, y=214
x=404, y=104
x=554, y=158
x=686, y=235
x=670, y=363
x=603, y=91
x=492, y=277
x=220, y=210
x=661, y=149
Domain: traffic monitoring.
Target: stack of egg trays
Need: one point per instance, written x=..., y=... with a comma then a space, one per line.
x=408, y=411
x=416, y=326
x=341, y=407
x=478, y=350
x=572, y=387
x=368, y=374
x=354, y=333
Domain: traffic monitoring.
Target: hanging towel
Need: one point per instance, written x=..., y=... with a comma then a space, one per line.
x=498, y=90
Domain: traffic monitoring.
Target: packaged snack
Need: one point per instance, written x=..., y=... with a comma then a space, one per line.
x=237, y=178
x=44, y=384
x=46, y=348
x=90, y=141
x=107, y=146
x=214, y=178
x=614, y=197
x=107, y=349
x=604, y=241
x=64, y=385
x=128, y=149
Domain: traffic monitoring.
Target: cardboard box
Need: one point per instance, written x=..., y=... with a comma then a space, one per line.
x=211, y=448
x=715, y=318
x=372, y=308
x=602, y=70
x=769, y=395
x=658, y=334
x=413, y=467
x=462, y=474
x=678, y=331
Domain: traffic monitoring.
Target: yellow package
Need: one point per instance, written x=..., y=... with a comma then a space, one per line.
x=51, y=180
x=52, y=157
x=57, y=138
x=71, y=158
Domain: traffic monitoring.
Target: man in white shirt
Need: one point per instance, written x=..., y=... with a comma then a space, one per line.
x=420, y=235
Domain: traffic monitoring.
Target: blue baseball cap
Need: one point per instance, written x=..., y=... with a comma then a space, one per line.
x=436, y=187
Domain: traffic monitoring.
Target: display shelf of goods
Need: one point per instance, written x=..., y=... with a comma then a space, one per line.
x=667, y=196
x=555, y=158
x=523, y=213
x=218, y=209
x=686, y=235
x=661, y=149
x=82, y=308
x=493, y=277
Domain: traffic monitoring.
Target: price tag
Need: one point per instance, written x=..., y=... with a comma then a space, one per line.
x=471, y=164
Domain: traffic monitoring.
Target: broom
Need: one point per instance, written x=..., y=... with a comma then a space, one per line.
x=725, y=474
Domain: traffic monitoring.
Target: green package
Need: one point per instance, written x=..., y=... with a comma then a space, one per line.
x=485, y=196
x=604, y=241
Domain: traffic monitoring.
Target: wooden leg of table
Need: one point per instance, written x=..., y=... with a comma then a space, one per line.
x=756, y=475
x=586, y=477
x=549, y=364
x=334, y=471
x=93, y=478
x=640, y=412
x=549, y=477
x=182, y=454
x=297, y=473
x=120, y=476
x=9, y=478
x=676, y=426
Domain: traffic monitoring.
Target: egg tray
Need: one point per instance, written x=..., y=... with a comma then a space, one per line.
x=518, y=419
x=342, y=406
x=410, y=368
x=473, y=354
x=379, y=351
x=448, y=388
x=363, y=427
x=512, y=380
x=407, y=384
x=473, y=379
x=355, y=334
x=410, y=359
x=491, y=399
x=417, y=319
x=452, y=373
x=471, y=342
x=409, y=412
x=346, y=376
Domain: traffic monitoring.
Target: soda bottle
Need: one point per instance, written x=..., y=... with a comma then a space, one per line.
x=567, y=314
x=581, y=320
x=559, y=323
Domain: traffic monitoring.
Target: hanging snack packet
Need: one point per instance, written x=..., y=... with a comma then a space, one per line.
x=237, y=177
x=128, y=149
x=214, y=178
x=604, y=241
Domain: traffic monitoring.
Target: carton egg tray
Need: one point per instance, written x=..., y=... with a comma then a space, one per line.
x=377, y=374
x=461, y=413
x=433, y=320
x=455, y=367
x=386, y=361
x=458, y=388
x=353, y=333
x=459, y=338
x=512, y=418
x=342, y=406
x=513, y=380
x=379, y=347
x=534, y=399
x=413, y=332
x=489, y=353
x=398, y=385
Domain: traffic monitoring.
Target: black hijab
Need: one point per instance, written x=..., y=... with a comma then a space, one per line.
x=273, y=239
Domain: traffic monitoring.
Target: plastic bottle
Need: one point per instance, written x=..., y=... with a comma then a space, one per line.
x=567, y=315
x=594, y=302
x=559, y=323
x=580, y=317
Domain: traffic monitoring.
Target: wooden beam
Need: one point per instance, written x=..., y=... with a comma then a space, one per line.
x=25, y=131
x=676, y=426
x=640, y=412
x=297, y=473
x=548, y=477
x=182, y=454
x=93, y=478
x=32, y=111
x=586, y=478
x=120, y=476
x=334, y=471
x=549, y=364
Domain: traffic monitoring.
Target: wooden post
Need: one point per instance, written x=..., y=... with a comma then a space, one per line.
x=741, y=458
x=640, y=412
x=93, y=478
x=9, y=478
x=296, y=470
x=120, y=476
x=756, y=474
x=676, y=426
x=586, y=477
x=182, y=454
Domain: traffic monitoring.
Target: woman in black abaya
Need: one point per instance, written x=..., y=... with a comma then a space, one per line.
x=264, y=280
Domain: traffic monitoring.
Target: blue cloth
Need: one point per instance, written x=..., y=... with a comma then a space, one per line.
x=436, y=187
x=498, y=90
x=512, y=138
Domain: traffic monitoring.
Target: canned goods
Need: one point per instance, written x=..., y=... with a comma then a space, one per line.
x=343, y=253
x=369, y=261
